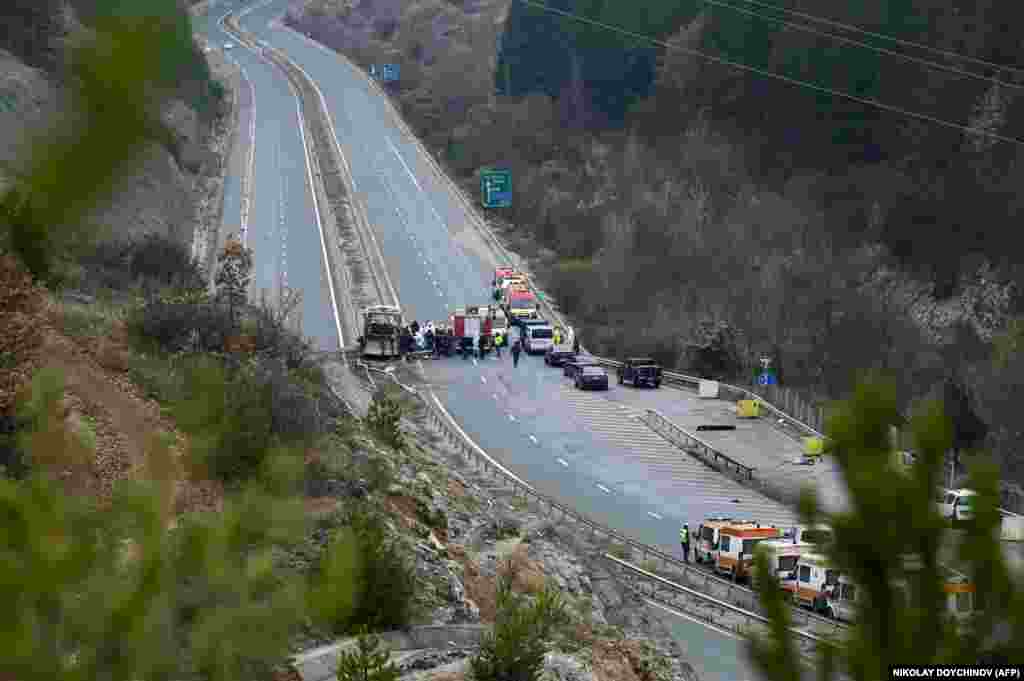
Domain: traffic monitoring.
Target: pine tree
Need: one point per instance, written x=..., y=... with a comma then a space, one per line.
x=234, y=274
x=893, y=517
x=367, y=662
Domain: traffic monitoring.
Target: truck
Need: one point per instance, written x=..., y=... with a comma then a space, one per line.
x=520, y=302
x=470, y=322
x=382, y=326
x=503, y=278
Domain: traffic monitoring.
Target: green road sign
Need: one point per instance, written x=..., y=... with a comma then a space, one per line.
x=496, y=188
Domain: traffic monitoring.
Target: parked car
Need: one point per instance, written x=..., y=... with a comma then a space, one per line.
x=592, y=377
x=570, y=369
x=558, y=355
x=957, y=504
x=640, y=371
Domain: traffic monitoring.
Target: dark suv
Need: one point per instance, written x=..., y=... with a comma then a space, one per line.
x=558, y=355
x=639, y=371
x=572, y=368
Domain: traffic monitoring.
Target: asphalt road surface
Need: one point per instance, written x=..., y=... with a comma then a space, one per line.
x=581, y=448
x=282, y=229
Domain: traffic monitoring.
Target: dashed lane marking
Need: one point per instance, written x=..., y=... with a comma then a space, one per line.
x=563, y=462
x=603, y=488
x=533, y=439
x=654, y=515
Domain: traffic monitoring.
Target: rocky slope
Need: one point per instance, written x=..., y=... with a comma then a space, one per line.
x=465, y=529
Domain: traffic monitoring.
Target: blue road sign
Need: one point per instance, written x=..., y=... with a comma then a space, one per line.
x=496, y=188
x=766, y=379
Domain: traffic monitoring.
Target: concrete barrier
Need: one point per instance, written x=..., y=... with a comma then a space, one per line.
x=321, y=664
x=708, y=390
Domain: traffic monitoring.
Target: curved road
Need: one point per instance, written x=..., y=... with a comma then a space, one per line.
x=584, y=449
x=281, y=228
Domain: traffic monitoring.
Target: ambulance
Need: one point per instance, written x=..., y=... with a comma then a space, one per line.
x=843, y=599
x=736, y=543
x=813, y=578
x=782, y=556
x=706, y=546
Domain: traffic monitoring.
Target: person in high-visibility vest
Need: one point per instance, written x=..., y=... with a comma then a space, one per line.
x=684, y=540
x=499, y=340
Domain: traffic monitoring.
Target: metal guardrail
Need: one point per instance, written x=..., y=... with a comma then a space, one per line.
x=739, y=595
x=657, y=582
x=686, y=440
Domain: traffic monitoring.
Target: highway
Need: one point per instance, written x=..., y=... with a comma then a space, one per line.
x=584, y=449
x=580, y=448
x=281, y=226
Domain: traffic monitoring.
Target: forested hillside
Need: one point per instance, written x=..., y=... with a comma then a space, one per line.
x=708, y=214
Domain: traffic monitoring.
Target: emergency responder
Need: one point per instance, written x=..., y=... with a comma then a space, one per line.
x=516, y=349
x=499, y=340
x=558, y=335
x=684, y=540
x=575, y=343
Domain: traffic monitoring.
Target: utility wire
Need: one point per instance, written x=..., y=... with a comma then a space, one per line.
x=880, y=36
x=793, y=81
x=882, y=50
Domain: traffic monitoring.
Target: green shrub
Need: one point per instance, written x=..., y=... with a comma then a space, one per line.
x=515, y=649
x=226, y=414
x=367, y=662
x=385, y=586
x=177, y=325
x=384, y=419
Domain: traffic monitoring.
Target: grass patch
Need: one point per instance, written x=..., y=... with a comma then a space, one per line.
x=159, y=376
x=620, y=551
x=86, y=322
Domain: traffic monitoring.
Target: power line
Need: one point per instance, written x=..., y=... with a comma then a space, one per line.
x=881, y=36
x=787, y=79
x=892, y=53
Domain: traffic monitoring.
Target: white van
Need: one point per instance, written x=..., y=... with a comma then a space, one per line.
x=956, y=504
x=538, y=338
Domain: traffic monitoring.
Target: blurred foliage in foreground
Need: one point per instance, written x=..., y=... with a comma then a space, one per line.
x=106, y=591
x=893, y=516
x=121, y=73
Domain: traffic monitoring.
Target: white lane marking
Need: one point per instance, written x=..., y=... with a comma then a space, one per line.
x=563, y=462
x=511, y=418
x=483, y=380
x=401, y=160
x=533, y=439
x=316, y=213
x=351, y=176
x=603, y=488
x=654, y=515
x=495, y=396
x=475, y=364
